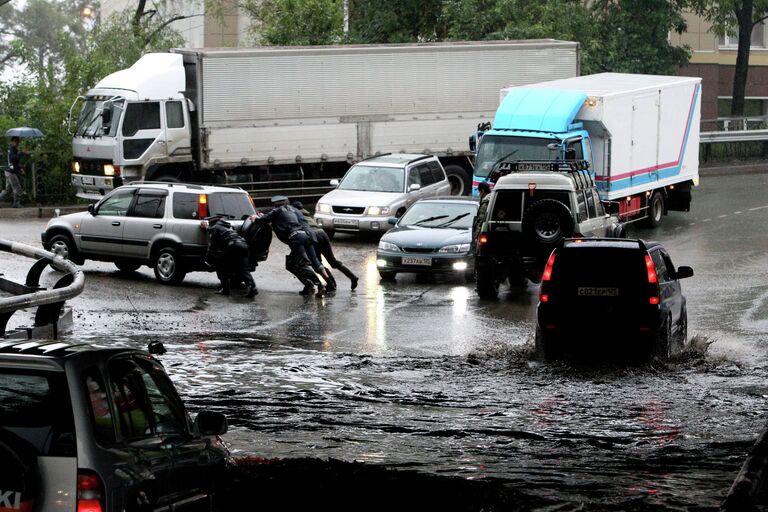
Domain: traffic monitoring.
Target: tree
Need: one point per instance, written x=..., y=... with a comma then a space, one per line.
x=731, y=17
x=297, y=22
x=402, y=21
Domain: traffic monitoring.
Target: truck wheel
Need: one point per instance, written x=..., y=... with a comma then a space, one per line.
x=487, y=284
x=548, y=221
x=63, y=246
x=655, y=209
x=461, y=182
x=168, y=268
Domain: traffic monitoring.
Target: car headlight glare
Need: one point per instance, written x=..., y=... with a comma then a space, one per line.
x=386, y=246
x=323, y=208
x=455, y=249
x=378, y=210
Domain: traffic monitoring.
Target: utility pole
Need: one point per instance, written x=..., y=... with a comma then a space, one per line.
x=346, y=16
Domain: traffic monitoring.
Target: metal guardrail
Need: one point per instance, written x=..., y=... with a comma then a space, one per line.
x=305, y=190
x=50, y=313
x=734, y=136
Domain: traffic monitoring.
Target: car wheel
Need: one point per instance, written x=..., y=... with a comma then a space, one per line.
x=546, y=346
x=469, y=276
x=459, y=179
x=655, y=209
x=127, y=265
x=548, y=221
x=387, y=276
x=662, y=341
x=682, y=330
x=63, y=246
x=168, y=268
x=487, y=284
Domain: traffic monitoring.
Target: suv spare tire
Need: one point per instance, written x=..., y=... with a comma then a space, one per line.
x=17, y=472
x=548, y=221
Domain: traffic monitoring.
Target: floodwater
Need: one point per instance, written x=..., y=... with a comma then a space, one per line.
x=424, y=375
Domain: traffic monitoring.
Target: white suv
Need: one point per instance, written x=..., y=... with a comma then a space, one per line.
x=380, y=187
x=146, y=223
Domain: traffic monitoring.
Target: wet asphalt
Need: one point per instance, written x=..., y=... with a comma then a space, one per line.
x=424, y=375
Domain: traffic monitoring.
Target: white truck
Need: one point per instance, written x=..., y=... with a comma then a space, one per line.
x=252, y=116
x=639, y=135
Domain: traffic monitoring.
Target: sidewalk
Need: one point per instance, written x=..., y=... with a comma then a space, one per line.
x=46, y=212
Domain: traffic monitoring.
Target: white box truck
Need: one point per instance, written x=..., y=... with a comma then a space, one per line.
x=639, y=135
x=250, y=116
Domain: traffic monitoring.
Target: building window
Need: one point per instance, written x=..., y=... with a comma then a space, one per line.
x=732, y=41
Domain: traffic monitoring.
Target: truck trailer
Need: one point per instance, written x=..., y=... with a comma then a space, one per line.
x=639, y=135
x=253, y=115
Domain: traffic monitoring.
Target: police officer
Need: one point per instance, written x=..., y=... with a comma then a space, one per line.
x=258, y=236
x=285, y=223
x=484, y=189
x=324, y=247
x=228, y=254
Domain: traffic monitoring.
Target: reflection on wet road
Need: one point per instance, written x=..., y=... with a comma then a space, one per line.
x=425, y=375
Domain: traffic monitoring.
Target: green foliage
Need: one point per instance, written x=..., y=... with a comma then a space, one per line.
x=73, y=61
x=297, y=22
x=376, y=21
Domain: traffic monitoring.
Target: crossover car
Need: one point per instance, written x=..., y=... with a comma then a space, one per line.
x=619, y=295
x=146, y=223
x=531, y=208
x=432, y=237
x=101, y=429
x=380, y=187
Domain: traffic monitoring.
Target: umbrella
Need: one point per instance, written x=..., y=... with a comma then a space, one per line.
x=23, y=131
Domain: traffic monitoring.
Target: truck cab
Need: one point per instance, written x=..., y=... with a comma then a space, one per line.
x=131, y=123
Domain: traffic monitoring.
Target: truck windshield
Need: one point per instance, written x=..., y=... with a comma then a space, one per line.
x=91, y=122
x=495, y=149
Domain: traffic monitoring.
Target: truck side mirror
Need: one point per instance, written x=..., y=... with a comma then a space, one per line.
x=472, y=142
x=106, y=116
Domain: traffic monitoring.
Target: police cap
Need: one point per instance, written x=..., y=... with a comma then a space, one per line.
x=279, y=199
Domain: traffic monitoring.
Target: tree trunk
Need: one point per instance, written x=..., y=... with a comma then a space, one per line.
x=744, y=16
x=139, y=12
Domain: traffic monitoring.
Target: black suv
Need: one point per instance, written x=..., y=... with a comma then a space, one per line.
x=604, y=292
x=86, y=428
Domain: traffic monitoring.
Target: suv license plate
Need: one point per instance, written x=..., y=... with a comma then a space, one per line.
x=345, y=222
x=589, y=291
x=410, y=260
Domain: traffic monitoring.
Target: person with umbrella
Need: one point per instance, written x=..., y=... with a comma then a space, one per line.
x=12, y=173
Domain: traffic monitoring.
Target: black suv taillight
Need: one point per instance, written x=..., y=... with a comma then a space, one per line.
x=546, y=276
x=652, y=279
x=90, y=492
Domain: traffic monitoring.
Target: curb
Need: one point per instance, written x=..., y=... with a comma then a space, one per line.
x=38, y=212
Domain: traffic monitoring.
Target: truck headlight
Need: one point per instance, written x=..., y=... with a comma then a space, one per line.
x=75, y=166
x=386, y=246
x=323, y=208
x=378, y=210
x=109, y=170
x=455, y=249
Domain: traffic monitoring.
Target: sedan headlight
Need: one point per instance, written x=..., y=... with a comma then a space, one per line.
x=378, y=210
x=323, y=208
x=386, y=246
x=455, y=249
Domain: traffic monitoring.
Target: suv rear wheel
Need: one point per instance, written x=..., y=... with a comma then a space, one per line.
x=168, y=268
x=662, y=341
x=548, y=221
x=546, y=346
x=487, y=284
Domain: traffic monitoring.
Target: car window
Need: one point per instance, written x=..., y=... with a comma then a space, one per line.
x=149, y=205
x=437, y=171
x=662, y=273
x=599, y=210
x=581, y=205
x=36, y=411
x=141, y=116
x=578, y=150
x=591, y=208
x=507, y=206
x=98, y=402
x=233, y=205
x=117, y=204
x=174, y=115
x=133, y=410
x=167, y=408
x=185, y=205
x=414, y=177
x=426, y=175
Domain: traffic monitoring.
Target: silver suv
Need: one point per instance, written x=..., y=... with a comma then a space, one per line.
x=531, y=208
x=380, y=187
x=101, y=429
x=145, y=223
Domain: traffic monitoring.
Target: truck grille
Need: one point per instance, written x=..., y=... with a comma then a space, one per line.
x=349, y=210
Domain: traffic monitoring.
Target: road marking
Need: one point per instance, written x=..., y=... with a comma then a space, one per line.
x=737, y=213
x=706, y=220
x=758, y=208
x=722, y=216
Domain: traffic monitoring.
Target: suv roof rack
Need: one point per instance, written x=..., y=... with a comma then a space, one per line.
x=374, y=156
x=577, y=169
x=167, y=183
x=422, y=157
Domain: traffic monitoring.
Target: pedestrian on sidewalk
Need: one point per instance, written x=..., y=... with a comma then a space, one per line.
x=13, y=172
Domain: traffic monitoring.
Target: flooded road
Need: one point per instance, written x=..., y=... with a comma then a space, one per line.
x=427, y=376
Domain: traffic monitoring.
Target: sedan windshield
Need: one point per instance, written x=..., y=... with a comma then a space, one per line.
x=92, y=123
x=495, y=149
x=440, y=215
x=373, y=179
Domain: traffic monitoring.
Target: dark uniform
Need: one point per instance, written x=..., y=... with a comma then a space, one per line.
x=324, y=246
x=482, y=210
x=288, y=230
x=228, y=254
x=258, y=236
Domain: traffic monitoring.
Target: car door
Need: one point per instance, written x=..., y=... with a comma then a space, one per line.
x=194, y=459
x=145, y=222
x=176, y=133
x=428, y=187
x=670, y=293
x=101, y=233
x=442, y=185
x=151, y=462
x=413, y=178
x=596, y=222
